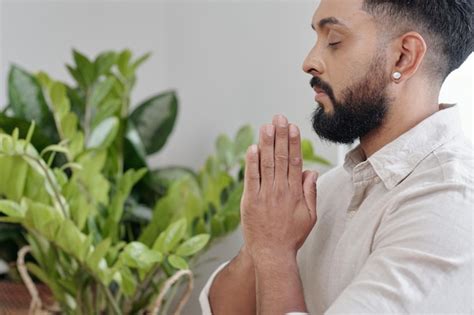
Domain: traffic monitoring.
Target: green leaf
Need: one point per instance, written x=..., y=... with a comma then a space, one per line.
x=52, y=285
x=140, y=60
x=214, y=185
x=12, y=209
x=243, y=139
x=54, y=148
x=178, y=262
x=27, y=101
x=154, y=120
x=85, y=68
x=123, y=62
x=59, y=99
x=71, y=240
x=231, y=221
x=124, y=187
x=98, y=254
x=233, y=201
x=217, y=226
x=104, y=134
x=127, y=281
x=104, y=62
x=134, y=149
x=100, y=91
x=193, y=245
x=225, y=150
x=308, y=153
x=43, y=218
x=169, y=238
x=138, y=255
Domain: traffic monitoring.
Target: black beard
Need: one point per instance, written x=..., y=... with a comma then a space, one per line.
x=363, y=107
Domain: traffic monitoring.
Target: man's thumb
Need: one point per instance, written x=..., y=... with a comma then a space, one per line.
x=309, y=189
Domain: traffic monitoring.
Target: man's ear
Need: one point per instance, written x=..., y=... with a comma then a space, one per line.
x=410, y=51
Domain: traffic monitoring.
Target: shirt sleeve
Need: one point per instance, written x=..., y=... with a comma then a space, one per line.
x=421, y=260
x=204, y=295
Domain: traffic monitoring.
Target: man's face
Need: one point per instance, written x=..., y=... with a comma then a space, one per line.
x=349, y=70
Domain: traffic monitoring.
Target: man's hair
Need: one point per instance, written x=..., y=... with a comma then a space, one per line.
x=446, y=26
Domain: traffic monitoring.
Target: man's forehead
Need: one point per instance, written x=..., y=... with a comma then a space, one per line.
x=343, y=11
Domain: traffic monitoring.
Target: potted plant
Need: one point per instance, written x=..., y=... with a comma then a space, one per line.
x=106, y=233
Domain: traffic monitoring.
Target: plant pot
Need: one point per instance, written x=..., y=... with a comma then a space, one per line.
x=15, y=299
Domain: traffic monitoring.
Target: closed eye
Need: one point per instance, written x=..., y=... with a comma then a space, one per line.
x=334, y=44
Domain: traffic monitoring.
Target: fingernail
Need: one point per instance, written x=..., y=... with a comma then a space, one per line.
x=293, y=131
x=282, y=121
x=270, y=130
x=253, y=148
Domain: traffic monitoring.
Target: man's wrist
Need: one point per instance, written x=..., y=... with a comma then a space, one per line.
x=276, y=261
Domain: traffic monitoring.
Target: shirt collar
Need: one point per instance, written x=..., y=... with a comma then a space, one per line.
x=396, y=160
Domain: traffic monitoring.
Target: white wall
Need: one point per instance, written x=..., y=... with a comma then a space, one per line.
x=232, y=63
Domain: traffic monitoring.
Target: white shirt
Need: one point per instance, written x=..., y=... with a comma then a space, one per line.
x=394, y=232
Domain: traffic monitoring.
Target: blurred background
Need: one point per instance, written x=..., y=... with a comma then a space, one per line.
x=231, y=63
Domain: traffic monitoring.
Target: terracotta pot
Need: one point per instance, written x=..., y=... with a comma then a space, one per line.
x=15, y=299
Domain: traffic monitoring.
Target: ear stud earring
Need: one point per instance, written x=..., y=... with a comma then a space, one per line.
x=397, y=75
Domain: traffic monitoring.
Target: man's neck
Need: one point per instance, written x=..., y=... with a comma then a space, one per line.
x=402, y=116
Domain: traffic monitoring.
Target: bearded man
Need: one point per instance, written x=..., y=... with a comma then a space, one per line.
x=390, y=231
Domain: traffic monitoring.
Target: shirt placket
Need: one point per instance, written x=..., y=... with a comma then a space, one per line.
x=360, y=179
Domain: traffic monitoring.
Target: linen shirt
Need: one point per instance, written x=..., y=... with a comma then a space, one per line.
x=394, y=231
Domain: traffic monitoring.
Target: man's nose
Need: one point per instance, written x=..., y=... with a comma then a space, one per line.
x=313, y=64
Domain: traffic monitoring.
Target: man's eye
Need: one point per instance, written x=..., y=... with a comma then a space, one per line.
x=334, y=44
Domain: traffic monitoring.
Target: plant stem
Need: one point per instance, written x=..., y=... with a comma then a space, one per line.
x=87, y=115
x=49, y=179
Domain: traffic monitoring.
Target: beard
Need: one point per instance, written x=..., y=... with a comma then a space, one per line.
x=362, y=108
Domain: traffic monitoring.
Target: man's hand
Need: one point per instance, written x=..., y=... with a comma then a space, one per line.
x=278, y=206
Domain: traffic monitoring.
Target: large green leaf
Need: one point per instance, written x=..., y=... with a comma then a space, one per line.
x=155, y=119
x=105, y=61
x=134, y=149
x=169, y=238
x=138, y=255
x=178, y=262
x=104, y=134
x=193, y=245
x=27, y=101
x=84, y=68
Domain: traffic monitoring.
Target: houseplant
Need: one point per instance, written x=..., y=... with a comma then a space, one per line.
x=106, y=232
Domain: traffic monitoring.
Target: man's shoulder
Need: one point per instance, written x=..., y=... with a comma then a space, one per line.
x=452, y=162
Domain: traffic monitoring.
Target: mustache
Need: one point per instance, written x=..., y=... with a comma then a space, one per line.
x=316, y=82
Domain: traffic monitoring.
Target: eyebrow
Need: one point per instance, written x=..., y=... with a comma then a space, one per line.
x=328, y=21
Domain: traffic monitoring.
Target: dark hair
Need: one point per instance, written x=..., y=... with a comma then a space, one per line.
x=446, y=26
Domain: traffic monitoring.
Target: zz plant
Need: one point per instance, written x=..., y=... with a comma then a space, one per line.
x=106, y=232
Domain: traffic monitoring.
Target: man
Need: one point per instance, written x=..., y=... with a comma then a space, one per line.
x=394, y=223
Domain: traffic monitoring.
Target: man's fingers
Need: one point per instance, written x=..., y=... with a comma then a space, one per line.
x=252, y=173
x=295, y=168
x=281, y=151
x=309, y=191
x=267, y=163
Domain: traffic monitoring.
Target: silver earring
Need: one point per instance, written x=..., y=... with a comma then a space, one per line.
x=397, y=75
